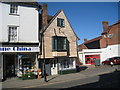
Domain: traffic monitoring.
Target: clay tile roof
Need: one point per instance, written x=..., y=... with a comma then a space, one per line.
x=49, y=18
x=32, y=4
x=95, y=39
x=109, y=27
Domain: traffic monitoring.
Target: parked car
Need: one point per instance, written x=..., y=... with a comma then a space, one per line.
x=113, y=60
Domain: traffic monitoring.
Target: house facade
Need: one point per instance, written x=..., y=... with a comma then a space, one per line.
x=59, y=43
x=19, y=40
x=102, y=47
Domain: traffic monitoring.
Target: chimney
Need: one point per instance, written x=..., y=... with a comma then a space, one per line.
x=44, y=15
x=105, y=25
x=85, y=40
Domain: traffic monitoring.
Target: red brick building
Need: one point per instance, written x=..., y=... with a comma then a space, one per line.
x=110, y=35
x=105, y=46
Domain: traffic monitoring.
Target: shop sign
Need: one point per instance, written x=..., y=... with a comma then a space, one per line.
x=19, y=49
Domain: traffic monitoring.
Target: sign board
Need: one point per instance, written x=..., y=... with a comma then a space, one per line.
x=19, y=49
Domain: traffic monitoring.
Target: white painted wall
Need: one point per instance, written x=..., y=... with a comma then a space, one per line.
x=7, y=20
x=28, y=25
x=0, y=22
x=110, y=51
x=27, y=20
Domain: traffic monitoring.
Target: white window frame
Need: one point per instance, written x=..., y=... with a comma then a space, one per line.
x=110, y=35
x=9, y=35
x=14, y=9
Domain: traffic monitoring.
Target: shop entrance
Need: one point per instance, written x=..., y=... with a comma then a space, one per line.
x=54, y=67
x=90, y=59
x=9, y=66
x=47, y=67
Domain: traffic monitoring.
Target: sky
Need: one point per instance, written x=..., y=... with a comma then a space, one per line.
x=86, y=17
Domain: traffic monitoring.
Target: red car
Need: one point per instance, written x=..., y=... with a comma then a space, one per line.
x=112, y=61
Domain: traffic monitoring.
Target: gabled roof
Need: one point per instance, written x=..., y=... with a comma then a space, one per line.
x=31, y=3
x=100, y=37
x=81, y=47
x=109, y=28
x=92, y=40
x=86, y=44
x=51, y=19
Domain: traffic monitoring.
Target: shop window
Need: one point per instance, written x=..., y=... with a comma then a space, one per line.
x=87, y=61
x=66, y=64
x=71, y=62
x=26, y=63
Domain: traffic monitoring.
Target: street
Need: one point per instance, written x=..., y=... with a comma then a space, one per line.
x=88, y=77
x=107, y=80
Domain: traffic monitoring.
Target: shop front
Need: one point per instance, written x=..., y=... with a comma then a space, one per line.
x=66, y=65
x=90, y=59
x=58, y=65
x=20, y=58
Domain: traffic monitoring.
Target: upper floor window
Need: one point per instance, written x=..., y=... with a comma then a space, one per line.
x=12, y=33
x=13, y=9
x=110, y=35
x=60, y=22
x=59, y=43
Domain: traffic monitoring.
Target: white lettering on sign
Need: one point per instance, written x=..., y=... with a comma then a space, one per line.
x=19, y=49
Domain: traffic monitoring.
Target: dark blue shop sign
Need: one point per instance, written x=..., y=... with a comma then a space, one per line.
x=19, y=49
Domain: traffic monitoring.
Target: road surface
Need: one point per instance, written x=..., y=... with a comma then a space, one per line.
x=108, y=80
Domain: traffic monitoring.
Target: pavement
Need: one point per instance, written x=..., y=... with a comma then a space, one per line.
x=86, y=71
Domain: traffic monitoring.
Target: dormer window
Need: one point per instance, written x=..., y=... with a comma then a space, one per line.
x=105, y=36
x=13, y=9
x=110, y=35
x=60, y=22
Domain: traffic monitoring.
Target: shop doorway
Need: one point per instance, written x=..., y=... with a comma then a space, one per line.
x=47, y=67
x=9, y=66
x=54, y=67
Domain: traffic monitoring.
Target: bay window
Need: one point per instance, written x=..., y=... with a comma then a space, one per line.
x=59, y=43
